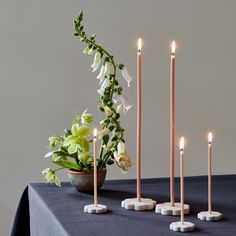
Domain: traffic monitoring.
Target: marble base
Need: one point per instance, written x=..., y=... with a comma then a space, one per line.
x=185, y=227
x=166, y=209
x=92, y=209
x=133, y=204
x=213, y=216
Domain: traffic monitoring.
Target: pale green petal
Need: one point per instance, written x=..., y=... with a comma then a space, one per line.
x=73, y=148
x=69, y=140
x=74, y=129
x=83, y=131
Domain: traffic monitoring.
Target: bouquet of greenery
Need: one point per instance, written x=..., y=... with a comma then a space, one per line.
x=72, y=150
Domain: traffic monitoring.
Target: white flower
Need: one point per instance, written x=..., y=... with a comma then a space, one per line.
x=101, y=74
x=103, y=133
x=96, y=61
x=125, y=102
x=126, y=76
x=116, y=98
x=105, y=84
x=86, y=50
x=109, y=145
x=120, y=109
x=109, y=69
x=121, y=147
x=108, y=111
x=122, y=158
x=90, y=51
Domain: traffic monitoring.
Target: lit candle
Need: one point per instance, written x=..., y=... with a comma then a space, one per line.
x=95, y=167
x=172, y=124
x=139, y=111
x=210, y=137
x=181, y=147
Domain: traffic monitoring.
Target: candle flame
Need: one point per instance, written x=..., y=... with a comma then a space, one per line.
x=95, y=133
x=173, y=47
x=210, y=137
x=181, y=144
x=139, y=44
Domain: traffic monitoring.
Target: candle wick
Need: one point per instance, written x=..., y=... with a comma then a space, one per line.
x=139, y=50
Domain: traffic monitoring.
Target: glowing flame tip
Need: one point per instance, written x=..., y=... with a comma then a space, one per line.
x=210, y=137
x=139, y=44
x=95, y=133
x=173, y=47
x=181, y=144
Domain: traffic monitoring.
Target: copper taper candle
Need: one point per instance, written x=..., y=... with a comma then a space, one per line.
x=172, y=124
x=139, y=116
x=181, y=147
x=209, y=171
x=95, y=167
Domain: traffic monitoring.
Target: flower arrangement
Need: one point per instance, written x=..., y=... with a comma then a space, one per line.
x=72, y=150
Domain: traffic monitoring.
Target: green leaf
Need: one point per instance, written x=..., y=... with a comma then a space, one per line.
x=73, y=148
x=69, y=140
x=83, y=131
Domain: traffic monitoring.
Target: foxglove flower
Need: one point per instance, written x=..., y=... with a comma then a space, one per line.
x=125, y=102
x=126, y=76
x=122, y=158
x=105, y=84
x=90, y=51
x=101, y=75
x=108, y=111
x=86, y=50
x=103, y=133
x=109, y=145
x=120, y=109
x=116, y=98
x=97, y=61
x=109, y=69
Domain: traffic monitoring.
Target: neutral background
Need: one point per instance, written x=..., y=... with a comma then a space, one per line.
x=44, y=77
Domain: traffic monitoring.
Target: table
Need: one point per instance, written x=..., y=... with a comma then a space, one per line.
x=47, y=210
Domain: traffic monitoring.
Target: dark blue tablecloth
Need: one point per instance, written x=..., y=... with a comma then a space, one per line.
x=47, y=210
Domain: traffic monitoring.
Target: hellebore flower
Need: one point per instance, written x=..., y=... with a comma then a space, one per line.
x=126, y=76
x=108, y=111
x=97, y=61
x=125, y=102
x=103, y=133
x=86, y=118
x=105, y=84
x=51, y=177
x=122, y=158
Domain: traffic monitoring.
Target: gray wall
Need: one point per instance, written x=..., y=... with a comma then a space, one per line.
x=44, y=77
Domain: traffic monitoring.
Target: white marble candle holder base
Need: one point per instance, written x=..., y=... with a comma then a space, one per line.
x=179, y=227
x=93, y=209
x=213, y=216
x=133, y=204
x=166, y=209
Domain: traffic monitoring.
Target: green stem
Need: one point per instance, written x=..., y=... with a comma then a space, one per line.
x=59, y=169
